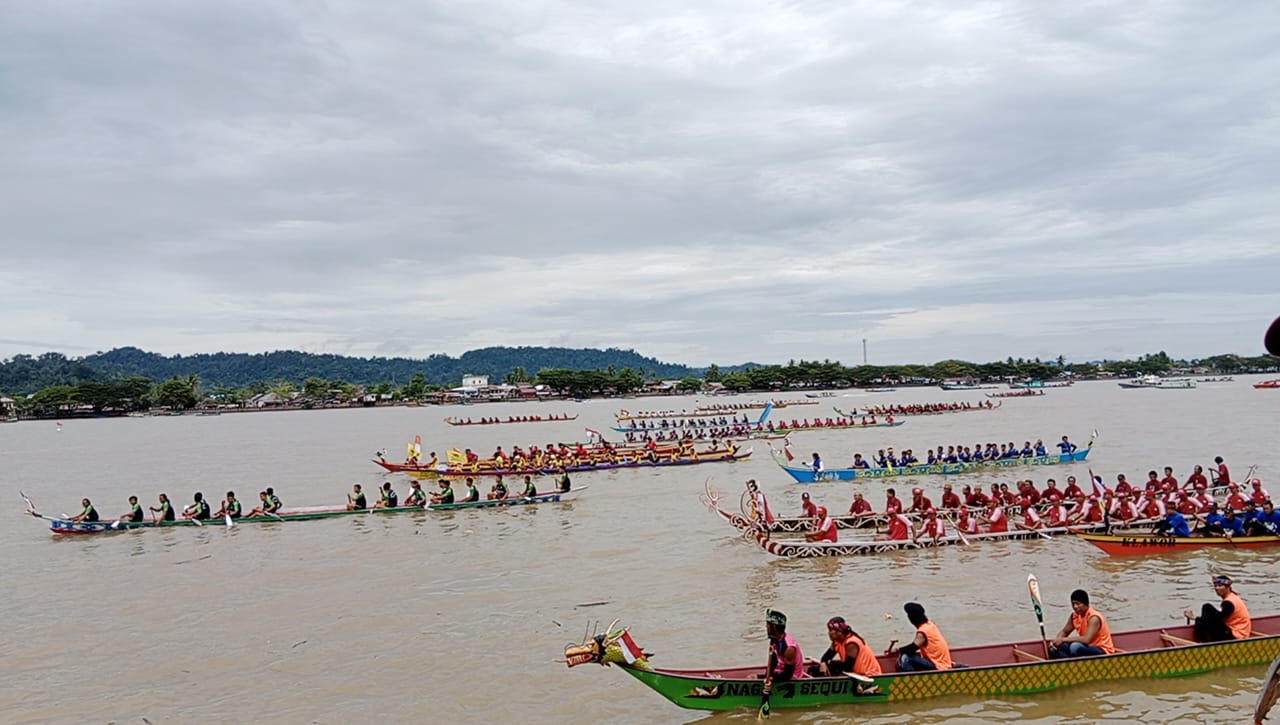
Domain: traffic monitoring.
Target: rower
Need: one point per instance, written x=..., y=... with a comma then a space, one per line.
x=1092, y=635
x=1066, y=446
x=416, y=497
x=198, y=509
x=230, y=507
x=445, y=495
x=273, y=502
x=563, y=484
x=88, y=514
x=499, y=490
x=848, y=653
x=388, y=499
x=356, y=499
x=824, y=528
x=1230, y=622
x=264, y=501
x=808, y=508
x=165, y=509
x=530, y=490
x=135, y=513
x=473, y=494
x=928, y=649
x=930, y=526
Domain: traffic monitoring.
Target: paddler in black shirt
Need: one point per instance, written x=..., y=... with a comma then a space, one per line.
x=446, y=492
x=230, y=507
x=165, y=509
x=199, y=508
x=389, y=499
x=473, y=493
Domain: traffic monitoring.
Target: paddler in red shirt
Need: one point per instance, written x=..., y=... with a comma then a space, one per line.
x=824, y=528
x=1073, y=492
x=1055, y=515
x=995, y=518
x=1259, y=494
x=1123, y=486
x=1224, y=476
x=1185, y=505
x=1088, y=511
x=965, y=522
x=1153, y=482
x=1169, y=482
x=1030, y=517
x=892, y=504
x=860, y=506
x=949, y=498
x=930, y=526
x=974, y=498
x=1235, y=500
x=1052, y=494
x=1197, y=476
x=919, y=502
x=808, y=508
x=899, y=528
x=1152, y=507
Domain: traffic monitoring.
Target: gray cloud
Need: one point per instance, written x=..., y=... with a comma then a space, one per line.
x=728, y=183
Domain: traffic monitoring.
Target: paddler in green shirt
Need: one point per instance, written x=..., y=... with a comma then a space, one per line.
x=230, y=507
x=446, y=493
x=530, y=490
x=355, y=499
x=416, y=495
x=135, y=514
x=165, y=510
x=389, y=500
x=88, y=514
x=473, y=493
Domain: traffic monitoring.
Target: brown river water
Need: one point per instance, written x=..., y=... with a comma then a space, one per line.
x=453, y=617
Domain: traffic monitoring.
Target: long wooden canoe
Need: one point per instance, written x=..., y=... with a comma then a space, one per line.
x=513, y=500
x=303, y=513
x=993, y=670
x=1125, y=544
x=512, y=419
x=721, y=456
x=898, y=411
x=806, y=474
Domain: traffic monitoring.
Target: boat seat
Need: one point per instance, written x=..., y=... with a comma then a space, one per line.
x=1027, y=655
x=1174, y=640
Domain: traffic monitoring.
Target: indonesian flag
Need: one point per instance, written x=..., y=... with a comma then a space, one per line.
x=786, y=451
x=1098, y=488
x=764, y=506
x=630, y=650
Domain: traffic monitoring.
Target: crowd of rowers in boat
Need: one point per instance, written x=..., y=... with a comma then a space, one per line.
x=511, y=419
x=269, y=504
x=974, y=511
x=925, y=408
x=886, y=458
x=749, y=426
x=1084, y=634
x=562, y=455
x=704, y=410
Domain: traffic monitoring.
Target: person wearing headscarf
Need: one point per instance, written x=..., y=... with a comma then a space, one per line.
x=1232, y=621
x=848, y=653
x=786, y=662
x=824, y=527
x=928, y=649
x=1092, y=635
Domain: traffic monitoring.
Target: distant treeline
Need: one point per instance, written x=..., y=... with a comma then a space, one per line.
x=130, y=379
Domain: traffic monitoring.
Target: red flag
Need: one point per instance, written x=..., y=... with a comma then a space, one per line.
x=630, y=650
x=786, y=451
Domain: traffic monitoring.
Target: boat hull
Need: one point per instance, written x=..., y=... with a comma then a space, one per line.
x=65, y=526
x=551, y=497
x=1124, y=545
x=807, y=475
x=449, y=471
x=734, y=688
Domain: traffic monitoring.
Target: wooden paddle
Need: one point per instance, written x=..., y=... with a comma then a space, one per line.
x=1033, y=586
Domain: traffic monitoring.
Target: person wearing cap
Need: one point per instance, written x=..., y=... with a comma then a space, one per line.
x=824, y=527
x=355, y=499
x=1030, y=516
x=1232, y=621
x=1089, y=511
x=848, y=653
x=1235, y=500
x=786, y=662
x=966, y=523
x=387, y=498
x=1092, y=635
x=919, y=502
x=1152, y=507
x=930, y=526
x=808, y=509
x=995, y=518
x=1055, y=514
x=1257, y=493
x=928, y=649
x=416, y=497
x=860, y=506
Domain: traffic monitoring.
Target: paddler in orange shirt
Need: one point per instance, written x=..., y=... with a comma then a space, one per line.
x=1231, y=622
x=1092, y=635
x=928, y=649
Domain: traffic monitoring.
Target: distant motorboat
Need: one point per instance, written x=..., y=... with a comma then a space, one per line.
x=1218, y=379
x=882, y=390
x=1268, y=384
x=1155, y=381
x=966, y=385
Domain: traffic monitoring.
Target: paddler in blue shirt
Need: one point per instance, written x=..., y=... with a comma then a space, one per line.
x=1067, y=446
x=1174, y=524
x=88, y=514
x=1040, y=450
x=135, y=513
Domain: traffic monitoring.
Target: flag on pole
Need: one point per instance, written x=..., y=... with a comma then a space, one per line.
x=630, y=650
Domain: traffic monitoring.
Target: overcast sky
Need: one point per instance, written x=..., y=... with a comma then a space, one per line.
x=710, y=182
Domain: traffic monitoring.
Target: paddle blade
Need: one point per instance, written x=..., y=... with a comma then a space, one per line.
x=227, y=518
x=1033, y=586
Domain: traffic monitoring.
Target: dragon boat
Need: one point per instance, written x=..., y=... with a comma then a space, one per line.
x=548, y=497
x=455, y=470
x=991, y=670
x=808, y=475
x=512, y=419
x=920, y=409
x=1120, y=544
x=1023, y=393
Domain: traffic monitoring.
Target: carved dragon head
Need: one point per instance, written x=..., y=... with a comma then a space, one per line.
x=613, y=646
